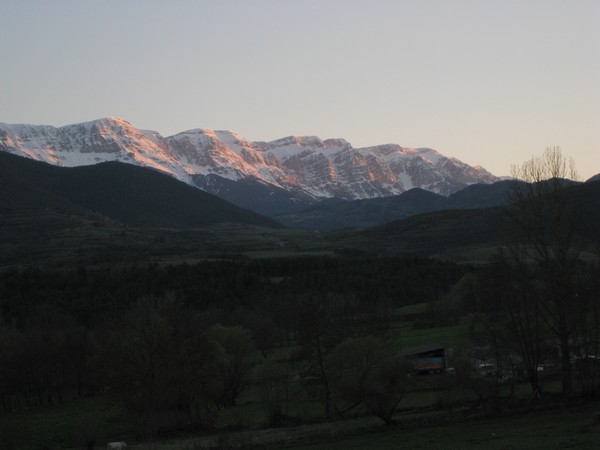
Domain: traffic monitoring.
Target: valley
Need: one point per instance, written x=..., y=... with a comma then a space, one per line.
x=303, y=225
x=103, y=264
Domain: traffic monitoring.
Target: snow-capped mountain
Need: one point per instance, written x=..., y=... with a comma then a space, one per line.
x=307, y=166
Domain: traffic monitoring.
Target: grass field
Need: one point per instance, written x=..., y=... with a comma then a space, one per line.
x=562, y=428
x=570, y=427
x=407, y=336
x=63, y=426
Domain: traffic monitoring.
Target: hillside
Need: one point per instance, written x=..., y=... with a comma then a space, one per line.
x=446, y=234
x=361, y=214
x=358, y=214
x=132, y=195
x=469, y=233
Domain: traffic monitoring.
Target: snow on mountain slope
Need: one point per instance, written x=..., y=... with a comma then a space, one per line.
x=108, y=139
x=307, y=164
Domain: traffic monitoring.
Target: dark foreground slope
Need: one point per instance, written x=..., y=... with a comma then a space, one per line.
x=125, y=193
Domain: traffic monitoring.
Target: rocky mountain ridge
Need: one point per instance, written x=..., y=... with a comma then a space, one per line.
x=305, y=167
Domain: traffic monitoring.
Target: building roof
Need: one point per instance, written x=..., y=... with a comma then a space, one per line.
x=420, y=349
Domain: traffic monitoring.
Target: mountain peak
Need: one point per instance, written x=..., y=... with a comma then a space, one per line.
x=302, y=141
x=211, y=133
x=116, y=121
x=337, y=143
x=110, y=121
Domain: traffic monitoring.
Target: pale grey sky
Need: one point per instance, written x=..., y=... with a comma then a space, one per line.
x=489, y=82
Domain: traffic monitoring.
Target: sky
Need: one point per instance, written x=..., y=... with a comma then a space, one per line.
x=489, y=82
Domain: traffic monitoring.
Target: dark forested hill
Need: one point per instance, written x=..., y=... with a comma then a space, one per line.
x=440, y=233
x=340, y=214
x=357, y=214
x=452, y=232
x=129, y=194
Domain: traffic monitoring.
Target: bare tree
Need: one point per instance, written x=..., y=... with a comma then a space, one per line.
x=316, y=333
x=274, y=389
x=546, y=216
x=366, y=372
x=155, y=361
x=322, y=322
x=508, y=295
x=233, y=361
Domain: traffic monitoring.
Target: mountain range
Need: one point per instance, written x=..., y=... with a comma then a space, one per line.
x=115, y=212
x=273, y=178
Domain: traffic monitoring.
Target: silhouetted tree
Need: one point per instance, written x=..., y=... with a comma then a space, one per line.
x=274, y=388
x=508, y=295
x=365, y=372
x=546, y=216
x=155, y=359
x=318, y=330
x=235, y=355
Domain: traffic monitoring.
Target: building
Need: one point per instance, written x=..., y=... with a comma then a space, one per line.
x=430, y=358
